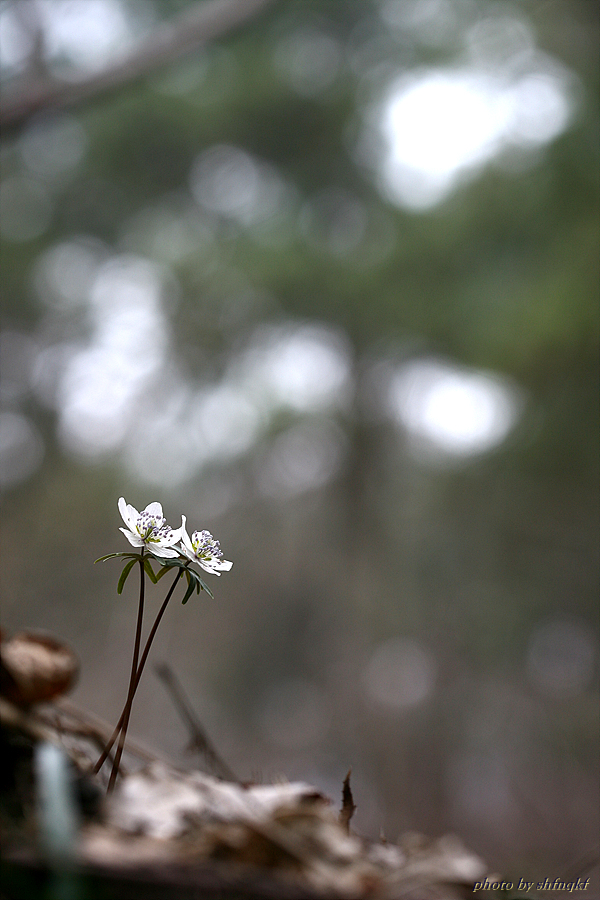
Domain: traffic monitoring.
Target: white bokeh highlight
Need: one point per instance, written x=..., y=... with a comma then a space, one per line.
x=400, y=674
x=449, y=411
x=432, y=129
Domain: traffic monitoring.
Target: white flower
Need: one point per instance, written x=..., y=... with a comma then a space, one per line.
x=148, y=529
x=203, y=549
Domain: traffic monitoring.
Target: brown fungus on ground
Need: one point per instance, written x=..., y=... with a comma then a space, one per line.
x=36, y=668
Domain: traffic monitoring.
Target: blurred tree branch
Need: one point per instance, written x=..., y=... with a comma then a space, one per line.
x=195, y=26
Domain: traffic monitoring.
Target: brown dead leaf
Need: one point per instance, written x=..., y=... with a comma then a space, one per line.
x=348, y=805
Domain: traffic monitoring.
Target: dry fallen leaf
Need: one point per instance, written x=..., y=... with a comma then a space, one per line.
x=181, y=829
x=287, y=829
x=348, y=805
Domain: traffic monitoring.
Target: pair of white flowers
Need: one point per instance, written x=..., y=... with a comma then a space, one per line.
x=148, y=529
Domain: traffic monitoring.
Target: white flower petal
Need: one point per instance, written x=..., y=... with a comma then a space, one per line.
x=199, y=554
x=129, y=513
x=133, y=539
x=222, y=565
x=164, y=552
x=215, y=566
x=154, y=509
x=164, y=540
x=186, y=539
x=204, y=565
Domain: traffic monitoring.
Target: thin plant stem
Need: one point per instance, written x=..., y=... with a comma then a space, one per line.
x=138, y=675
x=154, y=629
x=132, y=679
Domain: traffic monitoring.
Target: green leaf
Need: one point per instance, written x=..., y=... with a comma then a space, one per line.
x=149, y=570
x=205, y=587
x=195, y=583
x=190, y=588
x=114, y=555
x=128, y=567
x=180, y=563
x=163, y=561
x=162, y=571
x=166, y=564
x=103, y=558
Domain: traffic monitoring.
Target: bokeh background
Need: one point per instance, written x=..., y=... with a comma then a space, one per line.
x=327, y=285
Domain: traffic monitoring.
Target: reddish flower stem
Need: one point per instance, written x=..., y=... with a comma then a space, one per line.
x=132, y=679
x=136, y=674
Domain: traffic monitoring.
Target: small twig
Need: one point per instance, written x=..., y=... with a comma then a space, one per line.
x=348, y=806
x=199, y=740
x=185, y=32
x=21, y=719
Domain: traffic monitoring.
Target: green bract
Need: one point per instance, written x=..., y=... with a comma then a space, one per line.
x=133, y=558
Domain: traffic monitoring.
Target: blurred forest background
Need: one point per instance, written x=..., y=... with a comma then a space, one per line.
x=328, y=285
